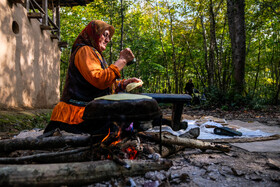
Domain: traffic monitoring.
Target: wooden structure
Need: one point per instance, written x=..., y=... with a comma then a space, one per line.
x=38, y=9
x=30, y=52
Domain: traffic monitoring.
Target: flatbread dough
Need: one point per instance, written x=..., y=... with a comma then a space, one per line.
x=123, y=96
x=133, y=85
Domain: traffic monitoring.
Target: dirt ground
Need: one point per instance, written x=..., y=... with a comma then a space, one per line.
x=193, y=167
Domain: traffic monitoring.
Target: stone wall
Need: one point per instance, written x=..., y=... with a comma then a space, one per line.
x=29, y=61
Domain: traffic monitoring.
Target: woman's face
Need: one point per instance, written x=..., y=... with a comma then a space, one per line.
x=104, y=40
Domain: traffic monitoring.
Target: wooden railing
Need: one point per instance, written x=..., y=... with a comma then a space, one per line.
x=40, y=12
x=36, y=11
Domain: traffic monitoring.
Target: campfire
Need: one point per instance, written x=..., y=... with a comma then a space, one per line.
x=126, y=148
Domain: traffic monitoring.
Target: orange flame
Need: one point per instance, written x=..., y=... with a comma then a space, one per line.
x=117, y=136
x=132, y=152
x=106, y=136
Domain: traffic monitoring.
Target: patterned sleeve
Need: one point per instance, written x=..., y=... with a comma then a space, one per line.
x=118, y=86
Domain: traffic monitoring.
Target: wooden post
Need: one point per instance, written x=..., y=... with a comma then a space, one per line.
x=176, y=116
x=34, y=15
x=27, y=5
x=58, y=18
x=45, y=7
x=53, y=13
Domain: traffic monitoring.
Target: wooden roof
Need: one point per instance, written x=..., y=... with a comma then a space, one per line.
x=68, y=3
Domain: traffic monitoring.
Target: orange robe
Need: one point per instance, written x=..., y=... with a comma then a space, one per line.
x=88, y=64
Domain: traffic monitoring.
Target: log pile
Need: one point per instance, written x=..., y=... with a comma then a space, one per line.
x=82, y=161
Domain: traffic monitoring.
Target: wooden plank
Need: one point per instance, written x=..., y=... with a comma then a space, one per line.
x=34, y=15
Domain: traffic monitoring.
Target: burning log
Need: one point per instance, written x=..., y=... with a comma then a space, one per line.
x=74, y=173
x=186, y=142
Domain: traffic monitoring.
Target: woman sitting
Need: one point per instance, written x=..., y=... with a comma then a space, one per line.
x=88, y=77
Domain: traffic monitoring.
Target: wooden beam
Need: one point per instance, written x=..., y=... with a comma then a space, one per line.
x=34, y=15
x=52, y=23
x=45, y=27
x=17, y=1
x=62, y=44
x=38, y=6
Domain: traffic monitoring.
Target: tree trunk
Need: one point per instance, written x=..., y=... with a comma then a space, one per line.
x=173, y=53
x=111, y=43
x=211, y=72
x=164, y=54
x=204, y=44
x=121, y=42
x=236, y=22
x=220, y=55
x=258, y=70
x=195, y=67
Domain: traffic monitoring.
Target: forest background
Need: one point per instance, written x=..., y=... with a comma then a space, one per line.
x=230, y=48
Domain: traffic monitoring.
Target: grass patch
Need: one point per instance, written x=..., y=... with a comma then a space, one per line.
x=15, y=121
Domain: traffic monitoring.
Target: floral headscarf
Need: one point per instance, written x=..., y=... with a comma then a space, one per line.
x=92, y=33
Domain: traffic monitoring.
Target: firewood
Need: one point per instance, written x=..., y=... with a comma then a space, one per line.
x=130, y=143
x=170, y=150
x=243, y=140
x=82, y=173
x=166, y=150
x=42, y=157
x=10, y=145
x=187, y=142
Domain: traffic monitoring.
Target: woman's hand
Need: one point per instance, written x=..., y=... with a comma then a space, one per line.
x=126, y=56
x=131, y=80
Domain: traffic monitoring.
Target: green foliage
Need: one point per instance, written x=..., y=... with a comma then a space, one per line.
x=232, y=101
x=167, y=40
